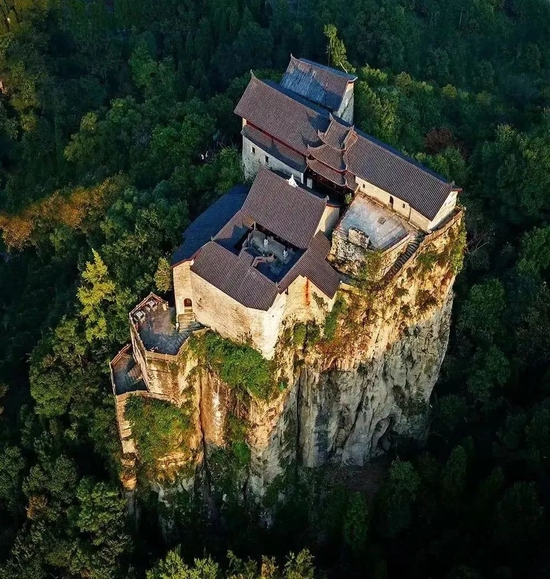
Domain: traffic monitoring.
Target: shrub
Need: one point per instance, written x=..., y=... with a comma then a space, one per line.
x=238, y=365
x=158, y=427
x=427, y=260
x=300, y=332
x=340, y=307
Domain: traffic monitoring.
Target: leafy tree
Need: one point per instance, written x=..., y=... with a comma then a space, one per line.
x=336, y=50
x=397, y=498
x=454, y=475
x=356, y=524
x=100, y=521
x=163, y=275
x=97, y=291
x=12, y=465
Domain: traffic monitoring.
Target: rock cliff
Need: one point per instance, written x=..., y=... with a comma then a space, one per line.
x=354, y=385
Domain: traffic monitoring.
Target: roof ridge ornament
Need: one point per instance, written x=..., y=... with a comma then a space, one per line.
x=292, y=182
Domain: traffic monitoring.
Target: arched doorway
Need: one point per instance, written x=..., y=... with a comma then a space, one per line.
x=187, y=304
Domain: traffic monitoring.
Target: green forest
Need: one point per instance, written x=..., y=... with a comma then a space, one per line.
x=117, y=129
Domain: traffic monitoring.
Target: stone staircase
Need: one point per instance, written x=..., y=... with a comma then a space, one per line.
x=403, y=258
x=187, y=324
x=127, y=380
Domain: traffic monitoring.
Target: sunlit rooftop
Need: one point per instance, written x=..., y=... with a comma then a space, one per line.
x=383, y=227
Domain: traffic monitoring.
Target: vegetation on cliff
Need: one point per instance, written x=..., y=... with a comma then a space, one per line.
x=116, y=128
x=238, y=365
x=159, y=429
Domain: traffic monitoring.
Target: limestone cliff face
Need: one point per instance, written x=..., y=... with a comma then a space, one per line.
x=347, y=388
x=349, y=397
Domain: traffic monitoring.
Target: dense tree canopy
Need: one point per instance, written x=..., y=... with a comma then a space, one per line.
x=116, y=129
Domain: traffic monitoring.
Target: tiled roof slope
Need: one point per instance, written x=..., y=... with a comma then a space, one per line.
x=275, y=112
x=317, y=83
x=314, y=266
x=208, y=223
x=361, y=155
x=291, y=213
x=234, y=276
x=398, y=175
x=289, y=120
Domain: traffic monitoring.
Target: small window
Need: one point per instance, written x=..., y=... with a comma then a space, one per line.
x=266, y=160
x=403, y=206
x=253, y=150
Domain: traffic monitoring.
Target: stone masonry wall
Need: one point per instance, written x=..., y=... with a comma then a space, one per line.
x=253, y=161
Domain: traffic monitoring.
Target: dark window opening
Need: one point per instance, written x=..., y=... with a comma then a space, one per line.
x=266, y=160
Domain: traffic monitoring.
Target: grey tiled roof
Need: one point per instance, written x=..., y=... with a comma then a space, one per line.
x=314, y=266
x=270, y=108
x=320, y=84
x=286, y=118
x=329, y=156
x=398, y=175
x=379, y=164
x=339, y=135
x=275, y=148
x=291, y=213
x=208, y=223
x=234, y=276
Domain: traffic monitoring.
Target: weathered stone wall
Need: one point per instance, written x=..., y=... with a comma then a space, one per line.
x=399, y=205
x=305, y=302
x=182, y=285
x=345, y=111
x=252, y=162
x=446, y=208
x=328, y=222
x=349, y=253
x=232, y=320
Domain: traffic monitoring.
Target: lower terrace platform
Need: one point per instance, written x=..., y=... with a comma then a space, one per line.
x=126, y=374
x=155, y=322
x=382, y=227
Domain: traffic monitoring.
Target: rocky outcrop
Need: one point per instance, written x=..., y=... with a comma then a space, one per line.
x=351, y=396
x=346, y=390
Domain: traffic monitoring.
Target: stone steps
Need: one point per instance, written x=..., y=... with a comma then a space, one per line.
x=135, y=373
x=404, y=257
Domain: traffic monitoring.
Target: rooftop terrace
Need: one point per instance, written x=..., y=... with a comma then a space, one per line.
x=383, y=227
x=155, y=322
